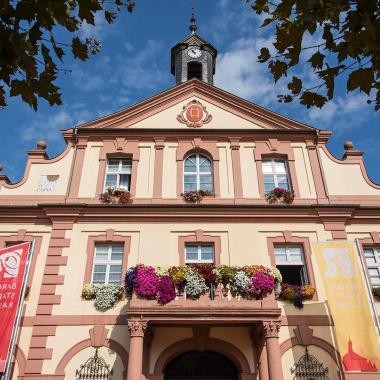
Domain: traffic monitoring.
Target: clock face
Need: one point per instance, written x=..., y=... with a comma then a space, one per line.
x=194, y=53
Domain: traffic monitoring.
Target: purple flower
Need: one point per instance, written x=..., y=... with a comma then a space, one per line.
x=130, y=278
x=261, y=284
x=146, y=283
x=165, y=291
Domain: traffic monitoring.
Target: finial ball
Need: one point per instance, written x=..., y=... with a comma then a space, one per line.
x=348, y=145
x=41, y=145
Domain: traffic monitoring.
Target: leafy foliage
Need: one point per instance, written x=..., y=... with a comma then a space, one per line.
x=29, y=50
x=347, y=32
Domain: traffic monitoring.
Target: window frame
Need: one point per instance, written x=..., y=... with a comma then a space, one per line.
x=199, y=253
x=303, y=271
x=198, y=174
x=288, y=238
x=108, y=263
x=275, y=175
x=376, y=250
x=109, y=238
x=119, y=172
x=198, y=237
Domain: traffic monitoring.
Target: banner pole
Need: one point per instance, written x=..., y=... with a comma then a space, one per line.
x=368, y=285
x=16, y=325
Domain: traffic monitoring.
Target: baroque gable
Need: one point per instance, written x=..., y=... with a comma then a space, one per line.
x=227, y=111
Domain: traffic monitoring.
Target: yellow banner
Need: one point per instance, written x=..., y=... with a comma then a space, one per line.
x=356, y=333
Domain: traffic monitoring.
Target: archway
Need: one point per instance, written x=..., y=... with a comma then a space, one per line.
x=205, y=365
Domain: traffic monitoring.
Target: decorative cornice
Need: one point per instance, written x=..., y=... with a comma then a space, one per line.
x=271, y=329
x=137, y=327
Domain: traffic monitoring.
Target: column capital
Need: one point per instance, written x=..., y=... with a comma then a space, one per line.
x=137, y=327
x=271, y=328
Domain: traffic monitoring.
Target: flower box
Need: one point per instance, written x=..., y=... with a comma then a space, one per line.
x=280, y=196
x=116, y=195
x=195, y=196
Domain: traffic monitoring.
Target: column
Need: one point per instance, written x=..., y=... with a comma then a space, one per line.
x=271, y=330
x=136, y=343
x=260, y=347
x=158, y=167
x=236, y=167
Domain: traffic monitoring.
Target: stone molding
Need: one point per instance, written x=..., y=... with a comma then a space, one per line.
x=137, y=328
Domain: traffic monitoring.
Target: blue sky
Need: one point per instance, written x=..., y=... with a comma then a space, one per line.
x=134, y=63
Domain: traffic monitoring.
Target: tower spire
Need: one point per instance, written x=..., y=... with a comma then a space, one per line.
x=193, y=25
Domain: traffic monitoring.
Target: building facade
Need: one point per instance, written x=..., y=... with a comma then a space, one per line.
x=193, y=137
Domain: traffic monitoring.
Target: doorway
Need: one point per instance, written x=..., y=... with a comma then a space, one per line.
x=205, y=365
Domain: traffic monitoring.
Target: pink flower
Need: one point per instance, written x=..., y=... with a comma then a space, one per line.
x=146, y=282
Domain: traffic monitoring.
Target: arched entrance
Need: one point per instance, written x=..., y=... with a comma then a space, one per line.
x=206, y=365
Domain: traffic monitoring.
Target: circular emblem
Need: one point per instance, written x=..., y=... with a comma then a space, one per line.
x=194, y=114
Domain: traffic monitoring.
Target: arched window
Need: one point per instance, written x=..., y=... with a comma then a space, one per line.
x=198, y=173
x=194, y=70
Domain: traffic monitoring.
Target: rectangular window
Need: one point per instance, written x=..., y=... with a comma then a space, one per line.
x=118, y=174
x=199, y=253
x=291, y=263
x=108, y=262
x=275, y=174
x=372, y=258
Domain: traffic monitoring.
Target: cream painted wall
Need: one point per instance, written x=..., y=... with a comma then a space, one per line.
x=23, y=343
x=157, y=244
x=221, y=119
x=292, y=356
x=108, y=355
x=240, y=337
x=344, y=179
x=304, y=174
x=225, y=171
x=71, y=302
x=169, y=174
x=61, y=167
x=145, y=171
x=164, y=337
x=248, y=171
x=90, y=171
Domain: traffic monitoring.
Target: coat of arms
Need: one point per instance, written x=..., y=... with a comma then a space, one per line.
x=194, y=114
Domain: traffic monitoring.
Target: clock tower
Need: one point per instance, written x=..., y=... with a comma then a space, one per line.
x=194, y=57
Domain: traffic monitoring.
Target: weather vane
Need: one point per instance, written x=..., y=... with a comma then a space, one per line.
x=193, y=25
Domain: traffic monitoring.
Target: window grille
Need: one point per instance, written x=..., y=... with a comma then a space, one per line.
x=95, y=368
x=309, y=368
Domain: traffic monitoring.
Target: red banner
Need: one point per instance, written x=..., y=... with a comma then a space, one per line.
x=12, y=270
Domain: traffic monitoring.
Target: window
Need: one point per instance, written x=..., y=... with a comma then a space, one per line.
x=194, y=70
x=290, y=262
x=108, y=262
x=199, y=253
x=372, y=258
x=198, y=173
x=275, y=175
x=118, y=173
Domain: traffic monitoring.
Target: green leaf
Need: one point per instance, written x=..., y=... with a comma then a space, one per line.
x=79, y=49
x=87, y=8
x=312, y=99
x=58, y=51
x=21, y=87
x=264, y=55
x=362, y=79
x=278, y=69
x=284, y=9
x=316, y=60
x=295, y=86
x=110, y=16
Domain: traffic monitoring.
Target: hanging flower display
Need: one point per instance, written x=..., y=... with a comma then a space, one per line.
x=195, y=284
x=146, y=282
x=105, y=296
x=249, y=282
x=165, y=290
x=297, y=294
x=279, y=195
x=195, y=196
